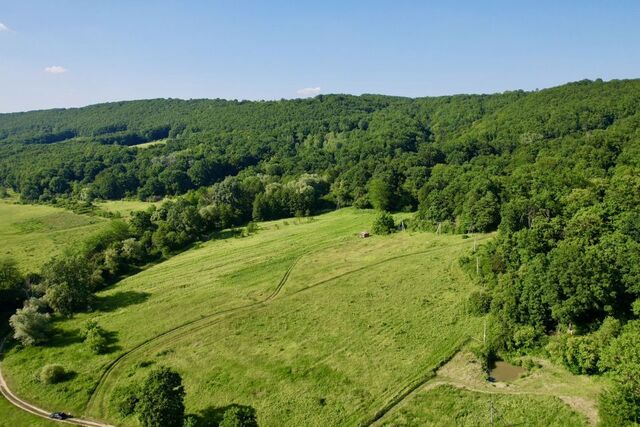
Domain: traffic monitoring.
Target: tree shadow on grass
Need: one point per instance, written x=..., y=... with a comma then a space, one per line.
x=212, y=416
x=120, y=299
x=63, y=337
x=112, y=339
x=68, y=376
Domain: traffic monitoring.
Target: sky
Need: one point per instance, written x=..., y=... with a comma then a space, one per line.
x=69, y=53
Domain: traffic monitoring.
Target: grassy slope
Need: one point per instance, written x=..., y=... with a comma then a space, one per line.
x=356, y=321
x=446, y=406
x=547, y=390
x=31, y=234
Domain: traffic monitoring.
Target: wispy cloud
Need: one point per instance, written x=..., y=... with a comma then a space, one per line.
x=308, y=91
x=55, y=69
x=4, y=28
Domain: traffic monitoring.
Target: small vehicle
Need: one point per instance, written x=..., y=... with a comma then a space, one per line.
x=59, y=416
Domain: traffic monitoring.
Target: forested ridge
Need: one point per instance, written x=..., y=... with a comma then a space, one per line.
x=555, y=171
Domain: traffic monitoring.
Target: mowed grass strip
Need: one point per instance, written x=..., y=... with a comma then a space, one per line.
x=446, y=405
x=32, y=234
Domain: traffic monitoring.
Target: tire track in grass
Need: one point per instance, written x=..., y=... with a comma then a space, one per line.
x=196, y=325
x=112, y=365
x=210, y=320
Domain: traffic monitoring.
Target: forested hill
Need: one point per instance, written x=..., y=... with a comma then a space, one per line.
x=353, y=143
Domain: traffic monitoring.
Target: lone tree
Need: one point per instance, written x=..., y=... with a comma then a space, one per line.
x=161, y=399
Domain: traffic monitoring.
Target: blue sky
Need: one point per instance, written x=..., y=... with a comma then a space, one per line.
x=62, y=53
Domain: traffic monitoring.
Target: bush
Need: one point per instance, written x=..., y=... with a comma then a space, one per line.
x=30, y=326
x=125, y=399
x=239, y=416
x=95, y=337
x=52, y=374
x=479, y=303
x=619, y=406
x=383, y=223
x=96, y=341
x=525, y=337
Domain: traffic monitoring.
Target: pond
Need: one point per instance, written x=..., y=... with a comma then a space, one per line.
x=505, y=372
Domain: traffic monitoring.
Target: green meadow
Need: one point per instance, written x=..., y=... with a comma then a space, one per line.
x=32, y=234
x=123, y=208
x=303, y=320
x=13, y=417
x=355, y=321
x=446, y=405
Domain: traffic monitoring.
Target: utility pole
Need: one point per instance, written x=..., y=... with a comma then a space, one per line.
x=484, y=333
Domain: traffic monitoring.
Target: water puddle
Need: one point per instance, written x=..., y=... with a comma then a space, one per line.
x=505, y=372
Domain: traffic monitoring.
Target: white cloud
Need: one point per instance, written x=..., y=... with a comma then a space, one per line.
x=4, y=28
x=308, y=91
x=55, y=69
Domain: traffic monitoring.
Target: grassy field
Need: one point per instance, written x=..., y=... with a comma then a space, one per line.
x=303, y=321
x=352, y=324
x=31, y=234
x=545, y=394
x=123, y=208
x=13, y=417
x=151, y=143
x=446, y=405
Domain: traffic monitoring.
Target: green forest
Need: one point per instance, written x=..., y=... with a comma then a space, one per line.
x=556, y=172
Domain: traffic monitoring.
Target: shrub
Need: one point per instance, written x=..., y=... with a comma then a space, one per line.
x=479, y=303
x=525, y=337
x=239, y=416
x=30, y=326
x=383, y=223
x=95, y=337
x=619, y=406
x=52, y=374
x=125, y=399
x=96, y=341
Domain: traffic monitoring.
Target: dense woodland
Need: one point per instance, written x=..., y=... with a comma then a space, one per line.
x=556, y=172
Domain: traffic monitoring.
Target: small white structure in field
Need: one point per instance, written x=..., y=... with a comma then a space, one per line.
x=364, y=234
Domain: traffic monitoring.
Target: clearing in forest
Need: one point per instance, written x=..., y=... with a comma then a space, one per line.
x=304, y=321
x=32, y=234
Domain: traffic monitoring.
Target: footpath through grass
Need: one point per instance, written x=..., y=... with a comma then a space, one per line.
x=355, y=322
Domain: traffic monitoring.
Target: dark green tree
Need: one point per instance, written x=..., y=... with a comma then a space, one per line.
x=161, y=401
